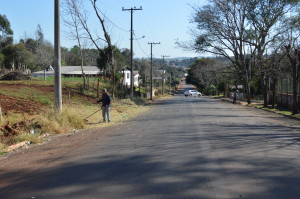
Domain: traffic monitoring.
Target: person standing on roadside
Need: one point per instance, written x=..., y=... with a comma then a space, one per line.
x=106, y=105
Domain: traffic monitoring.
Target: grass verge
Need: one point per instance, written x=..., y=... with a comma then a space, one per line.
x=279, y=110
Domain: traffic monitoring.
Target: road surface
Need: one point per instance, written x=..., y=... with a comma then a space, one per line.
x=185, y=148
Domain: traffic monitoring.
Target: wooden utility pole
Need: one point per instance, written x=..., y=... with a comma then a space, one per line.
x=151, y=72
x=131, y=48
x=163, y=75
x=57, y=58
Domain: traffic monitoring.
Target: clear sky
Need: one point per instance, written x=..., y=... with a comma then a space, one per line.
x=161, y=21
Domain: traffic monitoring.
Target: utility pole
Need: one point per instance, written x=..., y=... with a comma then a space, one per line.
x=151, y=72
x=57, y=58
x=131, y=48
x=163, y=75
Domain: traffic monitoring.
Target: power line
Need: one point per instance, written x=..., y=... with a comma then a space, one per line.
x=112, y=22
x=140, y=45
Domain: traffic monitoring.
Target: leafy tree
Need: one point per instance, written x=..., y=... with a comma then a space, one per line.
x=17, y=57
x=2, y=58
x=103, y=62
x=206, y=73
x=6, y=32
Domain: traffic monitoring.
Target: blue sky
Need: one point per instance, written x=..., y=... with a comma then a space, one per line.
x=160, y=21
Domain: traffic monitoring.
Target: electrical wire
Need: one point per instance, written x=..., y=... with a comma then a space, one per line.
x=140, y=45
x=123, y=29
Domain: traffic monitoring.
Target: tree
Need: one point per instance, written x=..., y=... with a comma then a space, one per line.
x=109, y=55
x=18, y=57
x=71, y=8
x=6, y=32
x=206, y=73
x=264, y=17
x=104, y=64
x=293, y=55
x=275, y=65
x=221, y=31
x=42, y=49
x=2, y=58
x=240, y=30
x=292, y=51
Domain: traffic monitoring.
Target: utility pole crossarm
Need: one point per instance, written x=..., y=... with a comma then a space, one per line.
x=131, y=47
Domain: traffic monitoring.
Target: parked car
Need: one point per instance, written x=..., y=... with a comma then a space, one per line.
x=193, y=93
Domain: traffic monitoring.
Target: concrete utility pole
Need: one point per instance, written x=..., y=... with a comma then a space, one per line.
x=131, y=48
x=151, y=72
x=57, y=58
x=163, y=75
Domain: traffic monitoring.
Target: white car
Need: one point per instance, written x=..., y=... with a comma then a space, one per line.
x=193, y=93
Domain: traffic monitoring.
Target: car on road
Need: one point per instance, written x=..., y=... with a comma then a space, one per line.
x=193, y=93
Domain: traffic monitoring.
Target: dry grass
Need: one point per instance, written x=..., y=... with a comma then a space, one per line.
x=53, y=122
x=72, y=117
x=12, y=118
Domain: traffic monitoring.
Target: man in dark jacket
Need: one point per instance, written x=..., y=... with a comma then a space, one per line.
x=106, y=104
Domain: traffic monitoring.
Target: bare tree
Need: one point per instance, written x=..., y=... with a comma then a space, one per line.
x=293, y=54
x=221, y=30
x=292, y=50
x=240, y=30
x=83, y=19
x=71, y=7
x=264, y=17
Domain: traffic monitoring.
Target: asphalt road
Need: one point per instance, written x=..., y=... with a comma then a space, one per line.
x=185, y=147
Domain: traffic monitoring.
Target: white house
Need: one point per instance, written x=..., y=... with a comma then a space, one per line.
x=126, y=78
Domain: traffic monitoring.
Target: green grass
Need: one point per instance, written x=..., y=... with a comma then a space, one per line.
x=29, y=94
x=279, y=110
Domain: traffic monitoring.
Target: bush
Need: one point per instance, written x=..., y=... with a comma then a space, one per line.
x=15, y=76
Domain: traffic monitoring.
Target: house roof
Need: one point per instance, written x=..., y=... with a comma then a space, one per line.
x=73, y=70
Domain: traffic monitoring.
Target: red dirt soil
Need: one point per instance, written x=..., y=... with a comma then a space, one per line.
x=18, y=105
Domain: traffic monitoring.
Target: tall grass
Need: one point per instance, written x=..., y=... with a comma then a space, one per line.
x=53, y=122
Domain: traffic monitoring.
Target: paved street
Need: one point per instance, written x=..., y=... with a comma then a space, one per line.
x=185, y=147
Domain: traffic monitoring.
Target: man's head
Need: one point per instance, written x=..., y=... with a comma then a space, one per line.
x=104, y=90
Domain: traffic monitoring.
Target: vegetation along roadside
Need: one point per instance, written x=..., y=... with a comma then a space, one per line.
x=28, y=116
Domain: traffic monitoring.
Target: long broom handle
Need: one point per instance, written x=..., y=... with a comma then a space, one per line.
x=92, y=114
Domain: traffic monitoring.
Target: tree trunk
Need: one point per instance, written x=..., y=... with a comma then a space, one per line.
x=274, y=92
x=295, y=94
x=248, y=91
x=82, y=71
x=264, y=90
